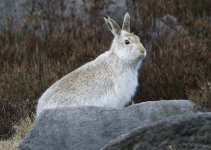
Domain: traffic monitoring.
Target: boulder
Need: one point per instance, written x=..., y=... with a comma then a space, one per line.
x=86, y=11
x=14, y=8
x=20, y=8
x=167, y=25
x=93, y=127
x=186, y=132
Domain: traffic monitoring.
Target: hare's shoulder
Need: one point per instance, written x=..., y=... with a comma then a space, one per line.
x=94, y=72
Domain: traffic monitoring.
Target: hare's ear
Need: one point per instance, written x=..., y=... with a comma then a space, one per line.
x=126, y=23
x=113, y=26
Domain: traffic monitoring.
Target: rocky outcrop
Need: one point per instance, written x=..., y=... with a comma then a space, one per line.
x=167, y=25
x=86, y=11
x=186, y=132
x=94, y=127
x=18, y=9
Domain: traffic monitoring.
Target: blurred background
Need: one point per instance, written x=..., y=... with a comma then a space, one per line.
x=42, y=40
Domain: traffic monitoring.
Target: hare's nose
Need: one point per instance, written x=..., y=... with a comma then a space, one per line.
x=142, y=50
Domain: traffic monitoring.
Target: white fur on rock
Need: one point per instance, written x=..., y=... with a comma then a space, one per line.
x=108, y=81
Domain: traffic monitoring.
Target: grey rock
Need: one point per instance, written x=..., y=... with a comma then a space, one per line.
x=167, y=25
x=18, y=9
x=186, y=132
x=93, y=127
x=14, y=8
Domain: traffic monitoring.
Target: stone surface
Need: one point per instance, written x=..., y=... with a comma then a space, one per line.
x=186, y=132
x=167, y=25
x=93, y=127
x=20, y=8
x=14, y=8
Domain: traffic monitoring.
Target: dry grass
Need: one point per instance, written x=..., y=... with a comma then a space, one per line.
x=31, y=59
x=8, y=145
x=21, y=128
x=201, y=96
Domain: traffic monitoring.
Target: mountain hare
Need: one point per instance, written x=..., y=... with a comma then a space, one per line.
x=108, y=81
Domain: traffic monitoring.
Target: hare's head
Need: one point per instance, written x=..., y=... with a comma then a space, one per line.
x=126, y=46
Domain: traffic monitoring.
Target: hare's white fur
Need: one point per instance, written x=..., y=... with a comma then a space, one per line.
x=108, y=81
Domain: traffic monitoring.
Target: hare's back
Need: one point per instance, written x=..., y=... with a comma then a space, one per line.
x=84, y=86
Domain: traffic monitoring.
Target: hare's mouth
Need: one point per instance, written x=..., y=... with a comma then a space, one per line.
x=143, y=55
x=142, y=50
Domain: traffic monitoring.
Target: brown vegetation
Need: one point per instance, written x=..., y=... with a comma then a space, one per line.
x=32, y=58
x=201, y=96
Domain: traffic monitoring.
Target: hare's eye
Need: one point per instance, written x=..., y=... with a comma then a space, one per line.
x=127, y=42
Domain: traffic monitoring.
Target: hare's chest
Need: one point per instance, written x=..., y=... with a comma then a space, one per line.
x=125, y=87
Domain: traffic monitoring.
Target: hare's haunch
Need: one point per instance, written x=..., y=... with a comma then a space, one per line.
x=108, y=81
